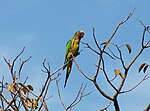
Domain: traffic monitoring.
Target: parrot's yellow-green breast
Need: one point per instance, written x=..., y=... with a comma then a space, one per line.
x=74, y=49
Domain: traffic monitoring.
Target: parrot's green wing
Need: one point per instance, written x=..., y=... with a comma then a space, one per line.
x=68, y=47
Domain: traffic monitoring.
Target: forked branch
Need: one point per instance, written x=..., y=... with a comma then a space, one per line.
x=78, y=98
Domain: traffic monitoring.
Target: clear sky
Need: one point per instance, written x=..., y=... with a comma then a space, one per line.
x=44, y=27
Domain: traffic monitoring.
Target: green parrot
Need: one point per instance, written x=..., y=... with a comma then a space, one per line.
x=72, y=48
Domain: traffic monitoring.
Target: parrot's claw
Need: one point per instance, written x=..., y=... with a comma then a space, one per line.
x=79, y=52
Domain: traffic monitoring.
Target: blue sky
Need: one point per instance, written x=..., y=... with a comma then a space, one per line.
x=44, y=27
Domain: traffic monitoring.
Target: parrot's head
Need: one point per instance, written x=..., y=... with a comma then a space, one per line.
x=80, y=33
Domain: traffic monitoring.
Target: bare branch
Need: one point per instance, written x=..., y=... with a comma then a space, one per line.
x=47, y=82
x=11, y=66
x=121, y=57
x=101, y=91
x=2, y=84
x=82, y=71
x=43, y=104
x=13, y=63
x=47, y=69
x=135, y=58
x=109, y=55
x=58, y=69
x=146, y=28
x=59, y=95
x=113, y=53
x=88, y=46
x=113, y=78
x=20, y=68
x=79, y=96
x=105, y=109
x=4, y=98
x=77, y=99
x=96, y=40
x=121, y=23
x=104, y=71
x=11, y=102
x=144, y=78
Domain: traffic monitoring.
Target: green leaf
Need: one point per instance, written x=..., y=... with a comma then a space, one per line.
x=129, y=48
x=141, y=67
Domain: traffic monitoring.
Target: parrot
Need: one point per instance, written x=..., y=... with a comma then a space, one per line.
x=72, y=48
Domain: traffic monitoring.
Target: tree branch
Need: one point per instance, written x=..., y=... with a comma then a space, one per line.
x=144, y=78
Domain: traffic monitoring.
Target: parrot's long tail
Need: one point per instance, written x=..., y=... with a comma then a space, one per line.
x=69, y=66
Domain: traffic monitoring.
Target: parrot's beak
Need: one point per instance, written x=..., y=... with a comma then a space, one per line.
x=81, y=34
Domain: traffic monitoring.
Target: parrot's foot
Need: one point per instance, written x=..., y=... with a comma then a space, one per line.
x=79, y=52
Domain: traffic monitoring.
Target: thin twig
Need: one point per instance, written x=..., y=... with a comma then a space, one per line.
x=113, y=53
x=121, y=23
x=88, y=46
x=59, y=95
x=82, y=71
x=121, y=57
x=144, y=78
x=20, y=68
x=79, y=96
x=96, y=40
x=104, y=71
x=105, y=109
x=13, y=63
